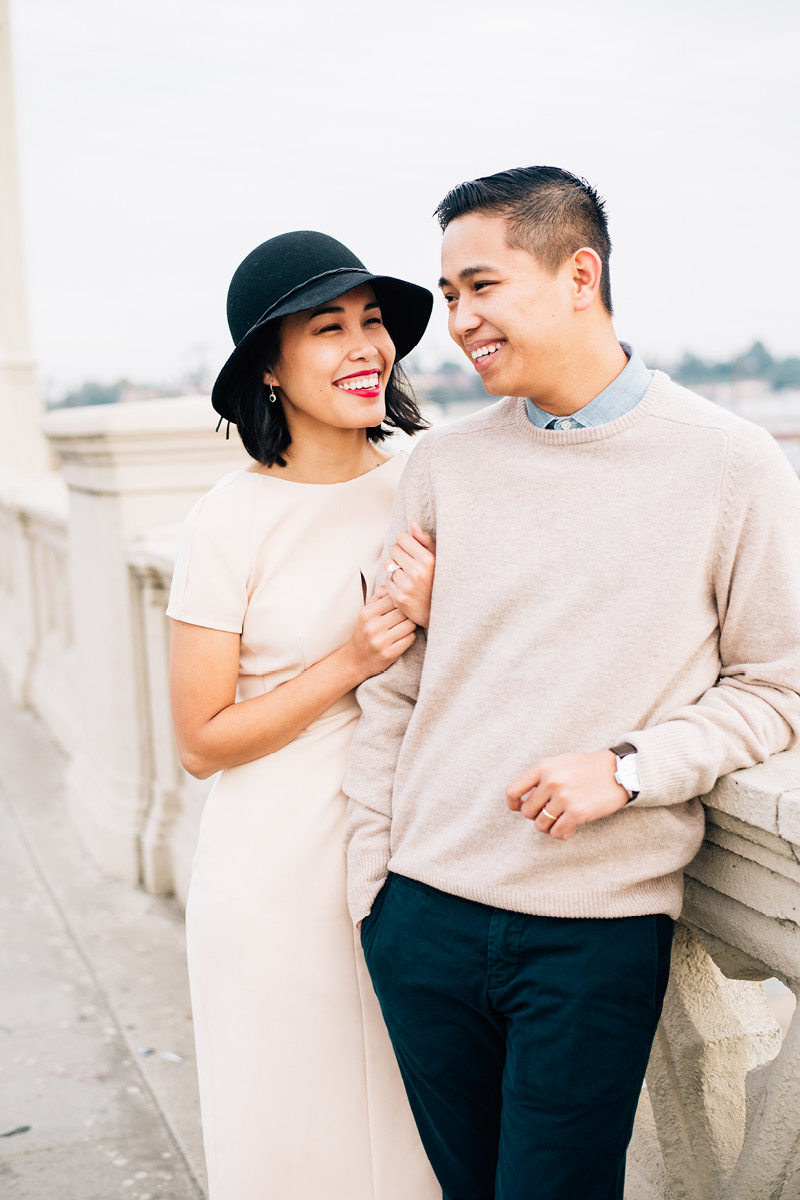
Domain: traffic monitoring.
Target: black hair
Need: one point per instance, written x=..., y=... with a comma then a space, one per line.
x=550, y=213
x=262, y=425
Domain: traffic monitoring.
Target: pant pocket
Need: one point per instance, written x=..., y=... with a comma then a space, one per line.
x=664, y=928
x=370, y=921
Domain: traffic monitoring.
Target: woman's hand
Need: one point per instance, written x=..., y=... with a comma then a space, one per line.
x=381, y=635
x=410, y=586
x=213, y=730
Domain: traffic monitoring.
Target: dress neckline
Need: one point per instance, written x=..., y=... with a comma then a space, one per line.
x=342, y=482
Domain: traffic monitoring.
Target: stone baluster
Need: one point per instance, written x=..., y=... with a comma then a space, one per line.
x=723, y=1094
x=713, y=1033
x=129, y=468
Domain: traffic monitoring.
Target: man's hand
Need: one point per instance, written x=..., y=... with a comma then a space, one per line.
x=411, y=583
x=558, y=794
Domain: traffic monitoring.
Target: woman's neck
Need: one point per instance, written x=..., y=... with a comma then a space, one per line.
x=330, y=457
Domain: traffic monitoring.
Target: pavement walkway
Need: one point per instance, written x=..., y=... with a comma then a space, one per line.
x=98, y=1094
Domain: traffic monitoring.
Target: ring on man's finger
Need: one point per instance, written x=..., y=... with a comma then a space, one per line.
x=549, y=816
x=391, y=568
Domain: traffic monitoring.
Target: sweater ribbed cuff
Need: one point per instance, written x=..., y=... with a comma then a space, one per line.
x=668, y=770
x=366, y=875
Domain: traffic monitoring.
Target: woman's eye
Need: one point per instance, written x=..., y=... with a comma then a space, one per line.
x=326, y=328
x=374, y=321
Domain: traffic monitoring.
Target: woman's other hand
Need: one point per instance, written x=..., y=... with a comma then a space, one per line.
x=381, y=635
x=410, y=586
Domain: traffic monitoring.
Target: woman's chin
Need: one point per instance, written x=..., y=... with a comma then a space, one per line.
x=371, y=416
x=363, y=412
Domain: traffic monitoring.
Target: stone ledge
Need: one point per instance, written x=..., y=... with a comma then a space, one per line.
x=139, y=416
x=154, y=552
x=763, y=796
x=743, y=887
x=165, y=446
x=40, y=494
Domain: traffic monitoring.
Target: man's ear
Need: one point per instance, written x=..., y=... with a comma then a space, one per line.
x=587, y=270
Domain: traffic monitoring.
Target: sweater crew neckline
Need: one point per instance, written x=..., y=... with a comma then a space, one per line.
x=596, y=433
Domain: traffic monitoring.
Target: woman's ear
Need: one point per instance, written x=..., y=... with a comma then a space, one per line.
x=270, y=380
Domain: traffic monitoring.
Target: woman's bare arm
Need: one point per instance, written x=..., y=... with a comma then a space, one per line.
x=212, y=731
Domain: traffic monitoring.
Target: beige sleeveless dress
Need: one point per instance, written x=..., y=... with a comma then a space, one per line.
x=301, y=1097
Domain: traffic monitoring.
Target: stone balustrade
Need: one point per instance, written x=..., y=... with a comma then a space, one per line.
x=169, y=830
x=720, y=1119
x=129, y=469
x=85, y=565
x=36, y=627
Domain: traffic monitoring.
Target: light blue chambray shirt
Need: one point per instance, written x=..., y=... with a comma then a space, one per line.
x=621, y=395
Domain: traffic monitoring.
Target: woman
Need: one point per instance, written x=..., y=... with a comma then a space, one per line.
x=274, y=627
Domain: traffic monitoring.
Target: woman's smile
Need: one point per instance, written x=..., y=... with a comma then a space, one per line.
x=363, y=383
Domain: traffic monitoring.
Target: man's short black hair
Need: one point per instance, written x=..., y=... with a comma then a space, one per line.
x=550, y=213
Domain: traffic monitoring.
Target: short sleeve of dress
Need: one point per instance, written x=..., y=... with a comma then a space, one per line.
x=212, y=567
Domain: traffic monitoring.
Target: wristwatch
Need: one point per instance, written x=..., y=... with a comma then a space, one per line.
x=627, y=772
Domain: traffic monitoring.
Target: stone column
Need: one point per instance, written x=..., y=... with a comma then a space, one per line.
x=129, y=468
x=22, y=444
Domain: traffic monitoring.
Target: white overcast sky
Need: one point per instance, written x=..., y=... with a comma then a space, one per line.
x=160, y=140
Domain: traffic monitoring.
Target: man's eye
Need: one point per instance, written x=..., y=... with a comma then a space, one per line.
x=482, y=283
x=448, y=297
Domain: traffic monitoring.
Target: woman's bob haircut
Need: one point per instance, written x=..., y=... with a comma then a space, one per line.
x=262, y=425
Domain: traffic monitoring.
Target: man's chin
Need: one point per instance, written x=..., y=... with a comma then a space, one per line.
x=495, y=386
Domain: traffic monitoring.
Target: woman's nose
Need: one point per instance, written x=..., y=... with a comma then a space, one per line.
x=361, y=346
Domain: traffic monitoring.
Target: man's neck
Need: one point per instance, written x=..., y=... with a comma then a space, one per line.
x=586, y=370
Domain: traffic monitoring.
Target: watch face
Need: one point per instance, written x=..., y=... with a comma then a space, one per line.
x=628, y=773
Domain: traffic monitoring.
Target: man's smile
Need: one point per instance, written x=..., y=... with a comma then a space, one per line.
x=485, y=354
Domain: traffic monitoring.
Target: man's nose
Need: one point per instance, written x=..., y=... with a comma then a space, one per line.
x=463, y=319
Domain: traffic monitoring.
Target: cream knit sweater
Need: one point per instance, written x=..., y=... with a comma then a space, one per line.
x=638, y=581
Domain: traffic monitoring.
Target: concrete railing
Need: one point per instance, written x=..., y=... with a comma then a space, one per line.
x=85, y=566
x=36, y=627
x=129, y=469
x=169, y=829
x=719, y=1120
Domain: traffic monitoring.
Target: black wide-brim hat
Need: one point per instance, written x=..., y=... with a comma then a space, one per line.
x=300, y=270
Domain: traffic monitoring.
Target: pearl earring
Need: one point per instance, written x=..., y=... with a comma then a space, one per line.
x=272, y=396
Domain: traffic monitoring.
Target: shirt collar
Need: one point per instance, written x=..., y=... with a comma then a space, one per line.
x=621, y=395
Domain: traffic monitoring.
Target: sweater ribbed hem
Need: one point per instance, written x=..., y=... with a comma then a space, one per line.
x=365, y=877
x=661, y=895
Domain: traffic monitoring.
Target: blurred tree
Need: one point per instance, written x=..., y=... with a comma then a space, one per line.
x=755, y=363
x=92, y=393
x=785, y=373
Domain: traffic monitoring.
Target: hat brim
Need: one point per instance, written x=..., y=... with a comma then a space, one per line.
x=405, y=308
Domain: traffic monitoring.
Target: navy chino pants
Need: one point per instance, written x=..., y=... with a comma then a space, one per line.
x=523, y=1041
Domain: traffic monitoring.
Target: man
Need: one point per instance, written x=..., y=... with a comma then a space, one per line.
x=615, y=624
